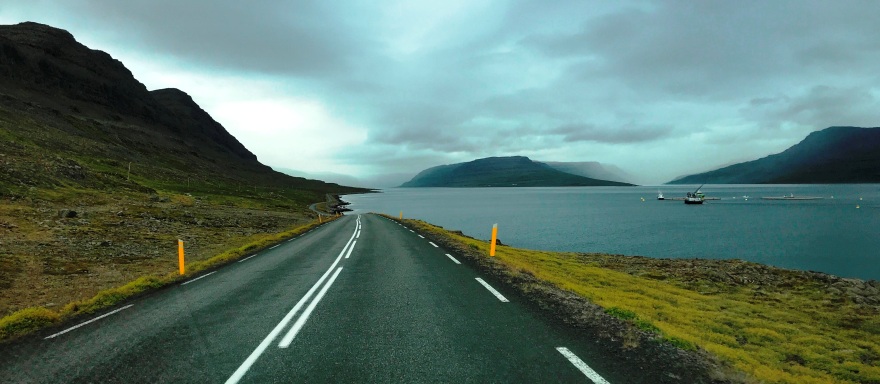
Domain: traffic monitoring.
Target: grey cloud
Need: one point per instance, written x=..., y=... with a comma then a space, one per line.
x=820, y=106
x=716, y=49
x=629, y=133
x=529, y=76
x=305, y=38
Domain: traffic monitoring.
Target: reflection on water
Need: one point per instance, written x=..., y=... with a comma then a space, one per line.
x=829, y=235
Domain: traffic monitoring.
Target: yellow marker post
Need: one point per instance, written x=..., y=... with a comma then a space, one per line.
x=319, y=219
x=401, y=215
x=180, y=255
x=494, y=237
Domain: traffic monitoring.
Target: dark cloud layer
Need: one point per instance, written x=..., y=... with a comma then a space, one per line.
x=449, y=81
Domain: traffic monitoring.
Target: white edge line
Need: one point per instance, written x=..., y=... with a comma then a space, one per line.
x=252, y=358
x=297, y=326
x=582, y=366
x=412, y=231
x=87, y=322
x=247, y=258
x=432, y=243
x=494, y=292
x=358, y=235
x=275, y=246
x=452, y=258
x=202, y=276
x=422, y=236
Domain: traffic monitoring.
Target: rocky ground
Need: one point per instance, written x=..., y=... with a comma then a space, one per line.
x=52, y=254
x=712, y=276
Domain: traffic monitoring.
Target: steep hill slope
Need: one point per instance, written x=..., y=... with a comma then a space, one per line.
x=515, y=171
x=832, y=155
x=82, y=105
x=99, y=177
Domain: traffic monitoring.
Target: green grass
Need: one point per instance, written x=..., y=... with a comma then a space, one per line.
x=25, y=321
x=796, y=336
x=32, y=319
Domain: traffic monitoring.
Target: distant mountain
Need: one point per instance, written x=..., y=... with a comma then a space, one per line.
x=592, y=169
x=66, y=107
x=832, y=155
x=515, y=171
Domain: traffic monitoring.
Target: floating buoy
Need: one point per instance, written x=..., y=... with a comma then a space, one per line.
x=860, y=199
x=857, y=206
x=643, y=199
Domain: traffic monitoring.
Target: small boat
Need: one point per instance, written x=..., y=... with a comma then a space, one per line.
x=792, y=197
x=695, y=197
x=660, y=196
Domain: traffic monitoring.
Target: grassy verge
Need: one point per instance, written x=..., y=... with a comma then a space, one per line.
x=800, y=333
x=28, y=320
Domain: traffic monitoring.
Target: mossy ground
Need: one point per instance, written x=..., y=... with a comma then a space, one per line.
x=797, y=331
x=26, y=320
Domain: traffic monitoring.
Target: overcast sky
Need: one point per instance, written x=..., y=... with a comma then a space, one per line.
x=370, y=89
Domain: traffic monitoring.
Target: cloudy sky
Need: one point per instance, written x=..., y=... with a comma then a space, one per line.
x=382, y=90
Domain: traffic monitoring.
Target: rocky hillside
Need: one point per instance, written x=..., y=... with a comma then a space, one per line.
x=514, y=171
x=99, y=177
x=85, y=107
x=832, y=155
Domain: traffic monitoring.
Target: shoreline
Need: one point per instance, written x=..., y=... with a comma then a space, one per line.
x=723, y=320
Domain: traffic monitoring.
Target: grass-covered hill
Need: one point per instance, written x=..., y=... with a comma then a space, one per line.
x=832, y=155
x=99, y=177
x=514, y=171
x=64, y=105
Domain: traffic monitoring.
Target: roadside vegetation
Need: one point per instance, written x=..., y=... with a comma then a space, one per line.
x=30, y=319
x=774, y=325
x=91, y=209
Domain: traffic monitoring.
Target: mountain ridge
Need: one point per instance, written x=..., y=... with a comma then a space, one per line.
x=77, y=103
x=839, y=154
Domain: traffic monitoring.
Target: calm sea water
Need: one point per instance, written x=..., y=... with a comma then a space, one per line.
x=829, y=235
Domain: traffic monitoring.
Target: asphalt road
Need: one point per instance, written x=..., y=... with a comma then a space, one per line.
x=361, y=299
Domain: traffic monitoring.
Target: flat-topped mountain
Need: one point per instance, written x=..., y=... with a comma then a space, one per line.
x=514, y=171
x=832, y=155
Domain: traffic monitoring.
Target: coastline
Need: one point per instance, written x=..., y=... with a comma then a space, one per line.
x=726, y=321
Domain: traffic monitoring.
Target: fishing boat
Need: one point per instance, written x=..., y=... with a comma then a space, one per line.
x=660, y=196
x=792, y=197
x=695, y=197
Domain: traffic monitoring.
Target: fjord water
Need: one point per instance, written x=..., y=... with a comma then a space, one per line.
x=829, y=235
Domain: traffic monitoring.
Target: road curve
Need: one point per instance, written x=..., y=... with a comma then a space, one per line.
x=361, y=299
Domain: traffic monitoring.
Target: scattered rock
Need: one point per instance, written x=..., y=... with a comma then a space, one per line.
x=67, y=213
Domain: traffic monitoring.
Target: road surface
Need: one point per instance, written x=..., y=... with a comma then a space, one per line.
x=361, y=299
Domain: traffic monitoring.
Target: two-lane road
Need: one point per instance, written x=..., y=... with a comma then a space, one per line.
x=361, y=299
